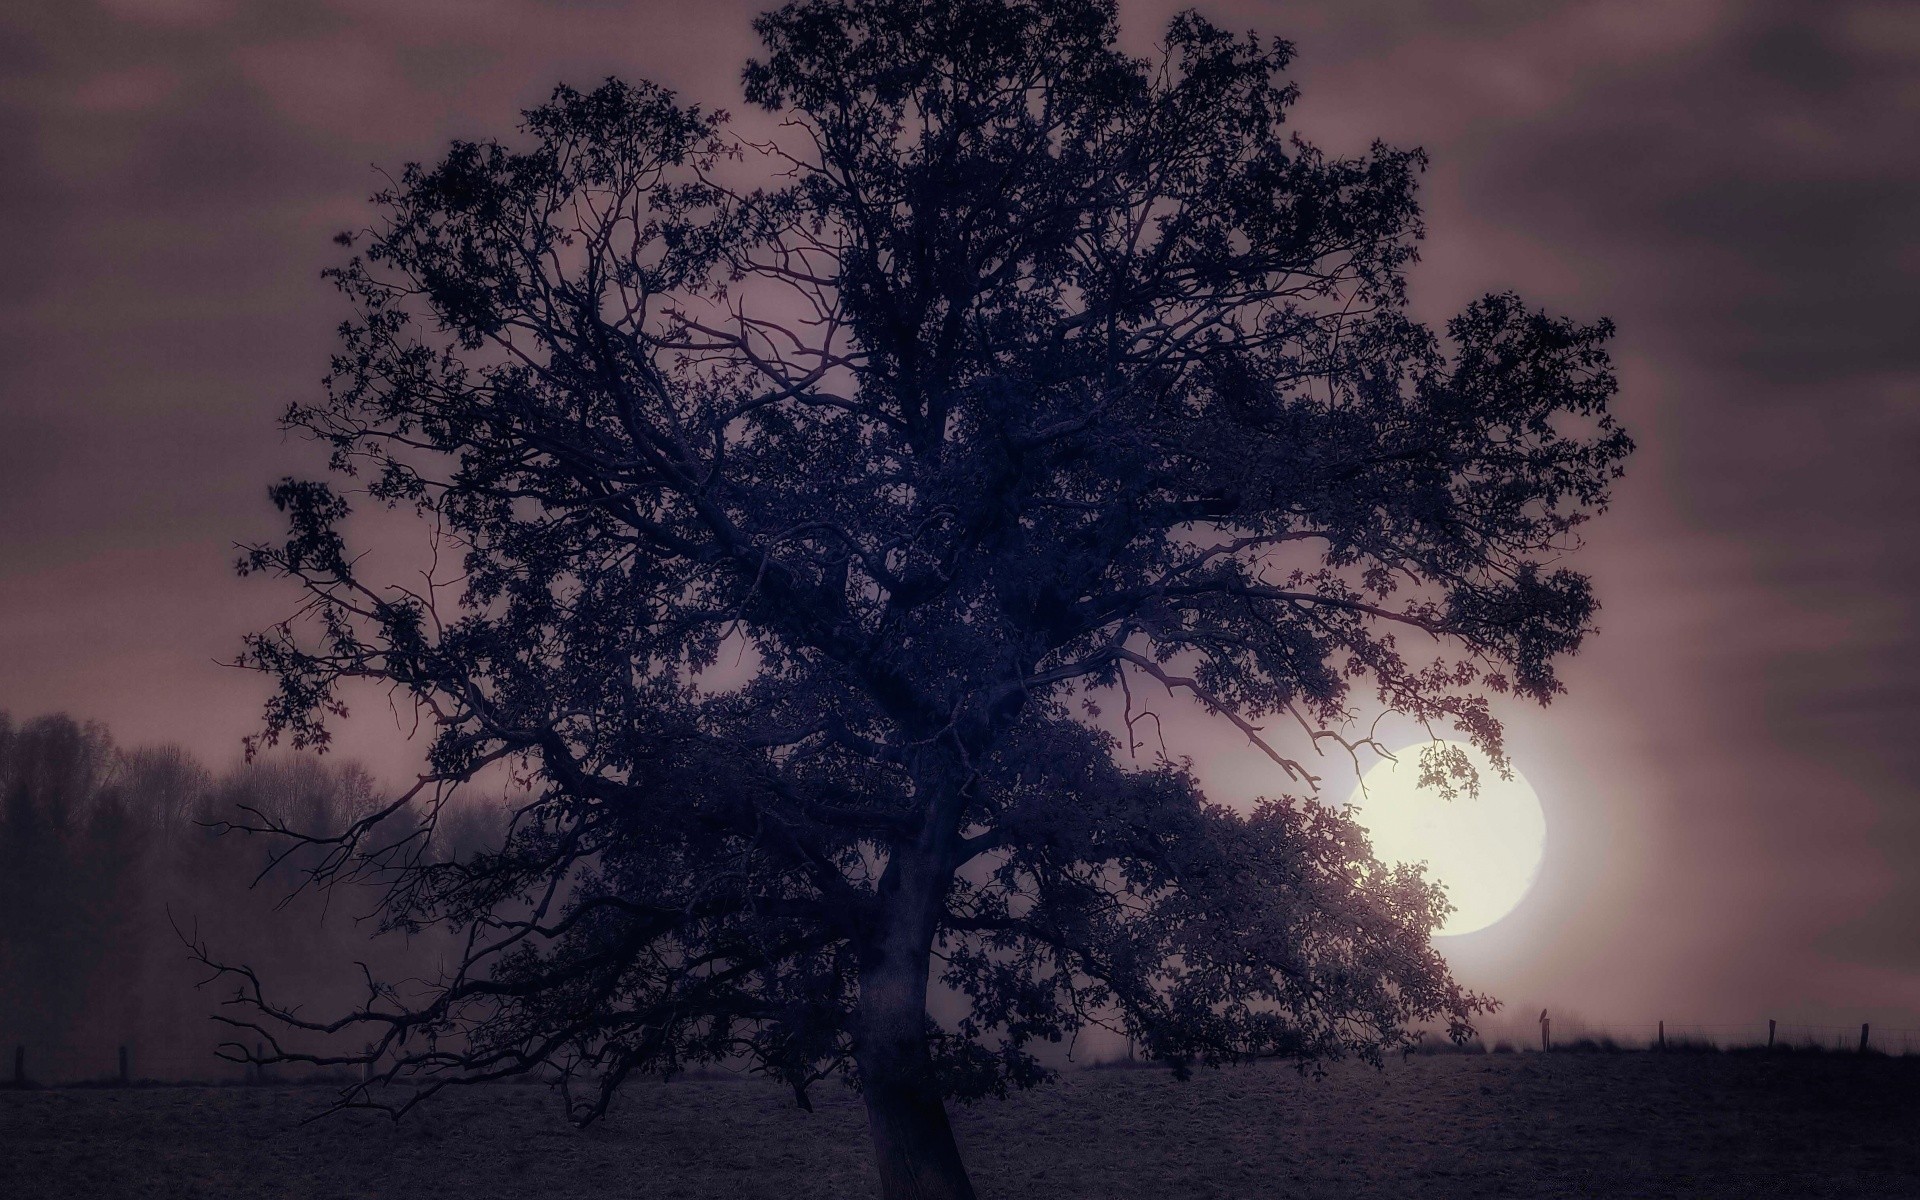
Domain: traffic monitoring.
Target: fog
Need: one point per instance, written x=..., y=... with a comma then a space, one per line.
x=114, y=866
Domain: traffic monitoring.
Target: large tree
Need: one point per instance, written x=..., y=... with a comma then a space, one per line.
x=798, y=532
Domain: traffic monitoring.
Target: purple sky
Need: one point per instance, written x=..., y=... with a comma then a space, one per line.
x=1733, y=827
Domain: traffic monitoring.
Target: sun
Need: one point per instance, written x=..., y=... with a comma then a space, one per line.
x=1486, y=849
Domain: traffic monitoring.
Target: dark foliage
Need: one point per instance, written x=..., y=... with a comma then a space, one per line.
x=802, y=531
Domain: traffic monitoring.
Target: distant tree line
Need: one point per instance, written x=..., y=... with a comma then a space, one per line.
x=109, y=855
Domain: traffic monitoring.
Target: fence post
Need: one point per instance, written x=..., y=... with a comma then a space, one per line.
x=1546, y=1034
x=19, y=1066
x=366, y=1067
x=1663, y=1035
x=1863, y=1037
x=259, y=1067
x=123, y=1065
x=1769, y=1033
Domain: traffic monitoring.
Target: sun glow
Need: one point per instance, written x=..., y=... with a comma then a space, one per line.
x=1486, y=849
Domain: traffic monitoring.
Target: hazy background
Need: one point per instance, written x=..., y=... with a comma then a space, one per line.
x=1732, y=826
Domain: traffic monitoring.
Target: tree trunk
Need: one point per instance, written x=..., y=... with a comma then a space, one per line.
x=913, y=1146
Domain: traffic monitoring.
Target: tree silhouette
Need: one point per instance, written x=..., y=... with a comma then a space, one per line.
x=804, y=528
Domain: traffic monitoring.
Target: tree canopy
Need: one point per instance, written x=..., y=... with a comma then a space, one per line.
x=816, y=508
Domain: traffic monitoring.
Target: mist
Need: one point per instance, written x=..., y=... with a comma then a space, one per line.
x=116, y=862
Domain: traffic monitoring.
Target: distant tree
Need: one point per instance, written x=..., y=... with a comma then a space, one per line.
x=53, y=835
x=802, y=530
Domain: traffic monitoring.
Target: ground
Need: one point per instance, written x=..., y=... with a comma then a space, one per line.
x=1525, y=1125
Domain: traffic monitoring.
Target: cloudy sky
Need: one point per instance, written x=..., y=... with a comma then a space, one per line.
x=1733, y=826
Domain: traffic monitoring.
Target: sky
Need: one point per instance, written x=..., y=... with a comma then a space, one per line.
x=1733, y=831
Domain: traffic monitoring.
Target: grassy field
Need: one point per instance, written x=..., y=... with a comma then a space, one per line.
x=1528, y=1125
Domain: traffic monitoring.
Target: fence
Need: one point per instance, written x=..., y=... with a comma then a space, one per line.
x=62, y=1065
x=1575, y=1034
x=128, y=1064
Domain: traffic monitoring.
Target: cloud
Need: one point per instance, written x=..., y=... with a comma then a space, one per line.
x=172, y=12
x=334, y=86
x=131, y=90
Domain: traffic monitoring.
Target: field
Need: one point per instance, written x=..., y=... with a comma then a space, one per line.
x=1527, y=1125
